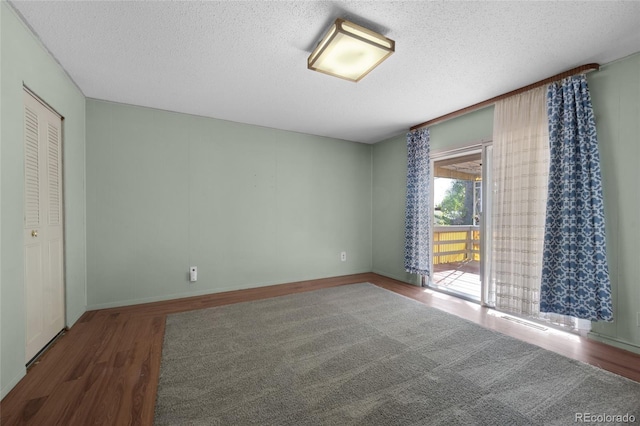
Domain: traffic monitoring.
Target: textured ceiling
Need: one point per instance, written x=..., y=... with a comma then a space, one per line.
x=246, y=61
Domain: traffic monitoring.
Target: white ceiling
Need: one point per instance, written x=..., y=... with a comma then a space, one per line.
x=246, y=61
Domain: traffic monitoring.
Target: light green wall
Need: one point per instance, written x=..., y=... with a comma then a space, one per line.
x=615, y=92
x=25, y=60
x=390, y=186
x=389, y=198
x=249, y=206
x=462, y=131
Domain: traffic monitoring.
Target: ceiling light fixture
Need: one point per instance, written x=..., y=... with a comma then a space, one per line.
x=350, y=51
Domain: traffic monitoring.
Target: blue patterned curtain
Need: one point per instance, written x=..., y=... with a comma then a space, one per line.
x=417, y=220
x=575, y=275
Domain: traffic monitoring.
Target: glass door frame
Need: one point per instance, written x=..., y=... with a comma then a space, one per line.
x=484, y=148
x=486, y=222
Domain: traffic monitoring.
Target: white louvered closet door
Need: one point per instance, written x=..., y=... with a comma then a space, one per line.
x=43, y=233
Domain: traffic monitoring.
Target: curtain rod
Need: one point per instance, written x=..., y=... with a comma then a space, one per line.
x=578, y=70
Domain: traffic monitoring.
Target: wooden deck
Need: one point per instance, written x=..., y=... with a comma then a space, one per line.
x=458, y=277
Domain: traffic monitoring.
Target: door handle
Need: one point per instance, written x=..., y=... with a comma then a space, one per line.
x=34, y=233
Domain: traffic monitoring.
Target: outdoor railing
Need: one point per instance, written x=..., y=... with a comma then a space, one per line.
x=456, y=244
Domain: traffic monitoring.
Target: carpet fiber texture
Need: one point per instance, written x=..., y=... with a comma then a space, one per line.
x=359, y=354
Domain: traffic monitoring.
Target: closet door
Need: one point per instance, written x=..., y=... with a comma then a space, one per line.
x=43, y=225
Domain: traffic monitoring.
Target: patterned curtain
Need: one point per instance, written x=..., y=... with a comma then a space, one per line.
x=520, y=171
x=575, y=275
x=417, y=220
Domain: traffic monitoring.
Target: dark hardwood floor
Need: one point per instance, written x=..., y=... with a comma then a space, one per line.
x=105, y=369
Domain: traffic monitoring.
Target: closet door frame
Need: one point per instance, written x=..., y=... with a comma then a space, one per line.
x=44, y=278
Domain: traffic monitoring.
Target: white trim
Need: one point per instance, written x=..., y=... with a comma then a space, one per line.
x=41, y=101
x=460, y=151
x=486, y=222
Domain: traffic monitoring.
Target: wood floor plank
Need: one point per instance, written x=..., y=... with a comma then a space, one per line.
x=105, y=370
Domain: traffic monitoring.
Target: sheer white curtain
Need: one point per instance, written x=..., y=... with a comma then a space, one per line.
x=520, y=175
x=520, y=188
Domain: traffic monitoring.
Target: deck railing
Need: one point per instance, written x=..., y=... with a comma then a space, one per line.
x=456, y=244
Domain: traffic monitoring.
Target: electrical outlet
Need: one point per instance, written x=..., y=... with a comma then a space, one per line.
x=343, y=256
x=638, y=319
x=193, y=274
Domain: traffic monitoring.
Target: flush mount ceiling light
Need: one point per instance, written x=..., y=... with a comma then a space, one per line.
x=350, y=51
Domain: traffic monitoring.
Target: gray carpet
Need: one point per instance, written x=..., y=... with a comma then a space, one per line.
x=363, y=355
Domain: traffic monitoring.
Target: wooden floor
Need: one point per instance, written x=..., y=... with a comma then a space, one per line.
x=105, y=369
x=459, y=277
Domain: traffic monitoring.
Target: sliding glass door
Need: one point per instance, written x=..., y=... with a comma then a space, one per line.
x=461, y=196
x=457, y=223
